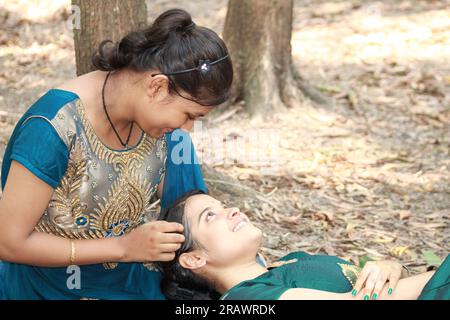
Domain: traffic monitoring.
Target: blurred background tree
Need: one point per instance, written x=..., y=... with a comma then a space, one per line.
x=258, y=36
x=104, y=20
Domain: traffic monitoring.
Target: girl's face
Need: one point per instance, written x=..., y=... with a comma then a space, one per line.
x=158, y=112
x=225, y=235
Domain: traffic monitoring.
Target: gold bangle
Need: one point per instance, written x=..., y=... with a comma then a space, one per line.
x=72, y=252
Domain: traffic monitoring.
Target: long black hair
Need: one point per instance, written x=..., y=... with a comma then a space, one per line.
x=173, y=43
x=179, y=283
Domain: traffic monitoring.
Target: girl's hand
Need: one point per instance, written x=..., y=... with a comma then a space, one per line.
x=375, y=275
x=152, y=241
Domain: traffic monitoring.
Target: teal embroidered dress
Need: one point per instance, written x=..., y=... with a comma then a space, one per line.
x=98, y=193
x=297, y=270
x=321, y=272
x=438, y=288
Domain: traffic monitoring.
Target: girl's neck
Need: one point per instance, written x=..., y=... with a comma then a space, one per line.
x=119, y=104
x=118, y=94
x=232, y=276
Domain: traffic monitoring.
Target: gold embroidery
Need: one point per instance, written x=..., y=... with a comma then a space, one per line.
x=122, y=199
x=110, y=265
x=129, y=195
x=123, y=209
x=66, y=198
x=150, y=266
x=280, y=263
x=126, y=201
x=118, y=158
x=351, y=272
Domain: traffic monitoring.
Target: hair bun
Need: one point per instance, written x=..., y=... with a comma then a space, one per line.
x=174, y=43
x=175, y=20
x=186, y=28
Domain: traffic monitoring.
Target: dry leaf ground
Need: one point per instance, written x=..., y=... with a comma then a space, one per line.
x=367, y=177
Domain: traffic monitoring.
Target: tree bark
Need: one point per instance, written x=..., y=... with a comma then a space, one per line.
x=258, y=36
x=104, y=20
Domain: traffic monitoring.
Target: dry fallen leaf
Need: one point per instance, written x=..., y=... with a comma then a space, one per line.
x=374, y=253
x=384, y=239
x=327, y=215
x=404, y=214
x=399, y=251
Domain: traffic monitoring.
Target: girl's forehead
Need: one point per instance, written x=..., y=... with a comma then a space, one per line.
x=197, y=203
x=187, y=106
x=201, y=109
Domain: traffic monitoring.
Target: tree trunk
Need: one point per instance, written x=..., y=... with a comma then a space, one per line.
x=258, y=36
x=104, y=20
x=111, y=20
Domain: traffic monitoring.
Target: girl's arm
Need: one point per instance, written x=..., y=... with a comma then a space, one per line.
x=26, y=197
x=407, y=289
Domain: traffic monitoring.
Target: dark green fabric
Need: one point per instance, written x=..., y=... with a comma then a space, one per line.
x=319, y=272
x=438, y=288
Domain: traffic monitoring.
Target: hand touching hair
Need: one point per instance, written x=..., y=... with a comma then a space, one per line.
x=178, y=282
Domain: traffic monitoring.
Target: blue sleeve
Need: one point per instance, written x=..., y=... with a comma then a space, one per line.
x=183, y=172
x=38, y=147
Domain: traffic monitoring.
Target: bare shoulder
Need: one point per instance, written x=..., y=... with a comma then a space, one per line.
x=82, y=85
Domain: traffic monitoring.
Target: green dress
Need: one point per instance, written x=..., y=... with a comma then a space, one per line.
x=438, y=288
x=298, y=270
x=325, y=273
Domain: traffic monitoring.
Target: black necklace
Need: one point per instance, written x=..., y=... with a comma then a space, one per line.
x=124, y=144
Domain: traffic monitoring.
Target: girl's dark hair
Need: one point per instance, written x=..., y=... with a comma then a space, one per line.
x=180, y=283
x=173, y=43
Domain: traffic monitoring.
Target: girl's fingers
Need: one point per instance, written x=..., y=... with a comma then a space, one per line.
x=164, y=226
x=393, y=280
x=166, y=257
x=361, y=280
x=169, y=247
x=370, y=283
x=380, y=283
x=171, y=238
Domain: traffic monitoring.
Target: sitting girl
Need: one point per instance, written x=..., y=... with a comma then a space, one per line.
x=219, y=253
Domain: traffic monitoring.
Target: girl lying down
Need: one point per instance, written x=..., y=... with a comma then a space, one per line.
x=219, y=254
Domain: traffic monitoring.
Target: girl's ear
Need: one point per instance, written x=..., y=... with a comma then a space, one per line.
x=158, y=87
x=192, y=260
